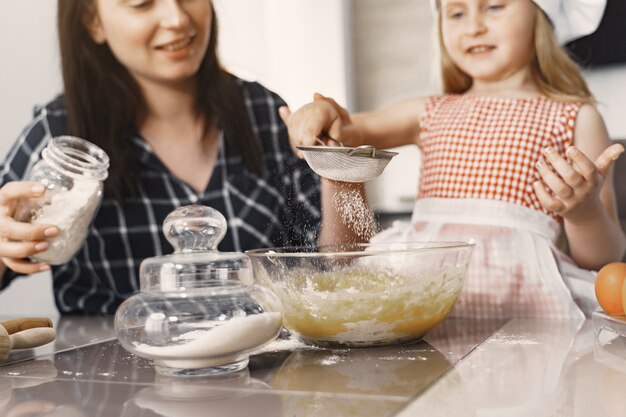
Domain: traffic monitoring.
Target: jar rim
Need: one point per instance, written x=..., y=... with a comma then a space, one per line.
x=77, y=157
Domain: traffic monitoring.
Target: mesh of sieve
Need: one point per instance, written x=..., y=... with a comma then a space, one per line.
x=341, y=163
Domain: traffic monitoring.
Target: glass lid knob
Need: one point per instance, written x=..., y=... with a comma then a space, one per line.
x=194, y=229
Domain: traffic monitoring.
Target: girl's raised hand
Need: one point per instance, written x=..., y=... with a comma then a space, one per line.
x=319, y=119
x=19, y=240
x=572, y=189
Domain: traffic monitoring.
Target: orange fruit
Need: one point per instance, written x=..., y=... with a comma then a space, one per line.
x=610, y=288
x=624, y=295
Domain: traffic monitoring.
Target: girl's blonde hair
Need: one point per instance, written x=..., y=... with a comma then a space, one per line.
x=556, y=75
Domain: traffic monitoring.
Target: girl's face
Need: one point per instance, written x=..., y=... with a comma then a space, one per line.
x=160, y=41
x=490, y=40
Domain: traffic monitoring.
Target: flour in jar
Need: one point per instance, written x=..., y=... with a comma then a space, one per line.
x=219, y=345
x=71, y=211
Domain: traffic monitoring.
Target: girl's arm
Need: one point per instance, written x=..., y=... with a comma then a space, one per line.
x=392, y=126
x=395, y=125
x=335, y=228
x=583, y=193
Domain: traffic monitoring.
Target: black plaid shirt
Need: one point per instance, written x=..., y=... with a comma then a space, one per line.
x=281, y=208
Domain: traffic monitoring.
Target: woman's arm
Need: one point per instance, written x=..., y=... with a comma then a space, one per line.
x=19, y=240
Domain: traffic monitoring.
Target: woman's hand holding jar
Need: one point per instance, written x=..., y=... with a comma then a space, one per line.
x=20, y=240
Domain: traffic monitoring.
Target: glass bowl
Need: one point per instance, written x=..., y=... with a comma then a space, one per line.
x=364, y=294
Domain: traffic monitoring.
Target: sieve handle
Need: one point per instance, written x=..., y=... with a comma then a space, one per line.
x=363, y=147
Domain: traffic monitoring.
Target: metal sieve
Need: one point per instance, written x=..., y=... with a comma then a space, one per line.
x=347, y=164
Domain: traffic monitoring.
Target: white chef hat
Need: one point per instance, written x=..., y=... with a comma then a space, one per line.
x=571, y=19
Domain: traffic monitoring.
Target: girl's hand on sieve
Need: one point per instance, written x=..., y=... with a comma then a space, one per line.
x=572, y=189
x=321, y=119
x=19, y=240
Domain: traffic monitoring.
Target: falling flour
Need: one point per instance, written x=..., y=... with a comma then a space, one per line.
x=355, y=213
x=219, y=345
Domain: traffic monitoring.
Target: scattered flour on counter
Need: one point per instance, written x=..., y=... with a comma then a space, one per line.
x=71, y=211
x=219, y=345
x=291, y=343
x=507, y=340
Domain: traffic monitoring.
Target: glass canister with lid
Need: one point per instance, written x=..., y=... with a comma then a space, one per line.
x=198, y=311
x=73, y=171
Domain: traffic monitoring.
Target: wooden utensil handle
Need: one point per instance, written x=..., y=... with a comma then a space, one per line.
x=31, y=338
x=17, y=325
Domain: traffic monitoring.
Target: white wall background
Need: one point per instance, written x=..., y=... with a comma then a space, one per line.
x=295, y=47
x=29, y=74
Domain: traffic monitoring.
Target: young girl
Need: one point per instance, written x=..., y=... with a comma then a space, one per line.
x=142, y=80
x=499, y=161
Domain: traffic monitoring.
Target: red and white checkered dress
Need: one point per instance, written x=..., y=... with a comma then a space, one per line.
x=478, y=166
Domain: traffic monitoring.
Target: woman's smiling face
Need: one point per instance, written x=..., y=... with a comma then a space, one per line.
x=489, y=39
x=162, y=41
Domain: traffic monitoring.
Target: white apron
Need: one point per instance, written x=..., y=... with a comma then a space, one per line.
x=516, y=269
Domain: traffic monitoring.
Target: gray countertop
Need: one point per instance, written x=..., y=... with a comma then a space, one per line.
x=464, y=367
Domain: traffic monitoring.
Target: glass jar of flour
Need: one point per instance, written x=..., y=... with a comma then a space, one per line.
x=73, y=171
x=198, y=312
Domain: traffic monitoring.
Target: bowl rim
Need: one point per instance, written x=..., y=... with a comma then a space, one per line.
x=386, y=247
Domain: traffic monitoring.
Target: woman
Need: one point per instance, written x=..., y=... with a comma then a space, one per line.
x=142, y=81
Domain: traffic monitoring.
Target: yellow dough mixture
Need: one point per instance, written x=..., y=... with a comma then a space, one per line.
x=361, y=306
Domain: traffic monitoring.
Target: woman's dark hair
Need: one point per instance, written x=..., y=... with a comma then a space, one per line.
x=104, y=103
